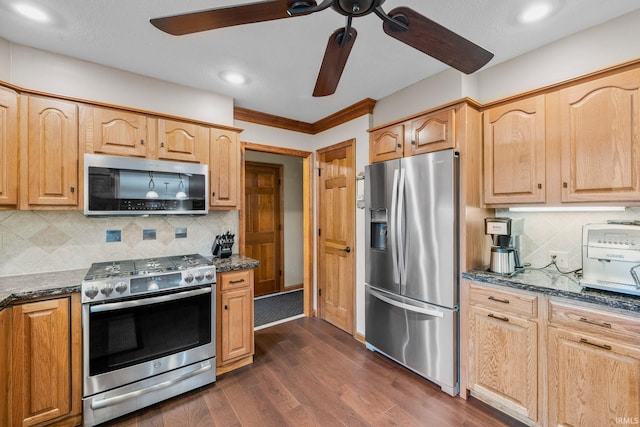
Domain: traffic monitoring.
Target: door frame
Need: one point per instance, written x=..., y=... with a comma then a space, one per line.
x=307, y=212
x=349, y=144
x=280, y=232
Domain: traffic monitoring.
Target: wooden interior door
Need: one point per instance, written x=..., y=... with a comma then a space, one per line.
x=336, y=216
x=263, y=226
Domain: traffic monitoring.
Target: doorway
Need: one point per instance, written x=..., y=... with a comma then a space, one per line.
x=301, y=261
x=336, y=235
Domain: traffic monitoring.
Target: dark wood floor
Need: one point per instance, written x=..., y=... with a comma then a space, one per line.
x=309, y=373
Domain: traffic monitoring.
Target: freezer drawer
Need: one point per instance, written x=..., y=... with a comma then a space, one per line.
x=420, y=336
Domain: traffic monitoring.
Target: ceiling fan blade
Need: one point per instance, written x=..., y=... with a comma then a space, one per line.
x=437, y=41
x=335, y=58
x=204, y=20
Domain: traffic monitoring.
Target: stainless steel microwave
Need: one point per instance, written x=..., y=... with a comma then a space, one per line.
x=135, y=187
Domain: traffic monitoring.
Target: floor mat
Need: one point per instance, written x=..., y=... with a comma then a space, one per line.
x=273, y=308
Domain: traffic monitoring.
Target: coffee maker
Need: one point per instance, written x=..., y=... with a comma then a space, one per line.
x=505, y=249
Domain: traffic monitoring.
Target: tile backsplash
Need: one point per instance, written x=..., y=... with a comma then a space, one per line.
x=43, y=241
x=559, y=231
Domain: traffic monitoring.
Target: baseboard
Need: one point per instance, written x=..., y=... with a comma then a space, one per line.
x=359, y=337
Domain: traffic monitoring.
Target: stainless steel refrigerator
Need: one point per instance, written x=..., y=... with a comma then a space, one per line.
x=411, y=267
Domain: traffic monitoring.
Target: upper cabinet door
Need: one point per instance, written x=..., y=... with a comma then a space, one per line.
x=52, y=149
x=120, y=133
x=600, y=139
x=514, y=152
x=182, y=141
x=8, y=147
x=224, y=168
x=432, y=132
x=386, y=144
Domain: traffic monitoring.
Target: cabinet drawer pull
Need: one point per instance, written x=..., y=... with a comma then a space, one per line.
x=565, y=185
x=602, y=346
x=232, y=282
x=492, y=298
x=493, y=316
x=591, y=322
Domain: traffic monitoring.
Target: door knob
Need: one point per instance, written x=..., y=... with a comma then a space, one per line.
x=347, y=249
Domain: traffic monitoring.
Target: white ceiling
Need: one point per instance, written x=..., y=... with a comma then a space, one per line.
x=282, y=57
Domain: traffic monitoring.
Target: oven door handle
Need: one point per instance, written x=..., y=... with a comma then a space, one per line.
x=100, y=308
x=99, y=404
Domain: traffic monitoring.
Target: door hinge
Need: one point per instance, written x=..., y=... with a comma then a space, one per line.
x=319, y=172
x=319, y=291
x=279, y=227
x=319, y=232
x=280, y=271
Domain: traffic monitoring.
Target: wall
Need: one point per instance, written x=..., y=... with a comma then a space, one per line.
x=559, y=231
x=42, y=241
x=88, y=81
x=293, y=215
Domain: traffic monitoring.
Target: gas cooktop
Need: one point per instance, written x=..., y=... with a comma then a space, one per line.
x=120, y=279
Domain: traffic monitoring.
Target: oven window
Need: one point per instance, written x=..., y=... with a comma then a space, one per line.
x=128, y=336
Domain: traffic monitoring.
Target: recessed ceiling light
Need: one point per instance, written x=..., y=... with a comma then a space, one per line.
x=32, y=12
x=234, y=77
x=535, y=12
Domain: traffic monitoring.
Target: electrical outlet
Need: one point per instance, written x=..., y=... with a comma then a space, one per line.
x=562, y=258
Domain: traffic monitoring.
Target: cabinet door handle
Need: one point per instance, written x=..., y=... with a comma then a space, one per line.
x=602, y=346
x=591, y=322
x=72, y=189
x=162, y=144
x=226, y=307
x=565, y=185
x=213, y=194
x=492, y=298
x=232, y=282
x=493, y=316
x=142, y=142
x=539, y=186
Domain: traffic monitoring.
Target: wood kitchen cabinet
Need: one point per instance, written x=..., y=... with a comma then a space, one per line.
x=49, y=153
x=235, y=344
x=8, y=148
x=514, y=152
x=503, y=349
x=224, y=169
x=182, y=141
x=600, y=138
x=594, y=367
x=45, y=363
x=425, y=133
x=118, y=132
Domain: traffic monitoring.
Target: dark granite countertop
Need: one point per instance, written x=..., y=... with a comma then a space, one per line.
x=14, y=289
x=555, y=284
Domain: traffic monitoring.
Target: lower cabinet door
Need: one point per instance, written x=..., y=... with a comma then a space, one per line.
x=593, y=381
x=503, y=360
x=237, y=324
x=41, y=361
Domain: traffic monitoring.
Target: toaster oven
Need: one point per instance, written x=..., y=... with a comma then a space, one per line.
x=611, y=257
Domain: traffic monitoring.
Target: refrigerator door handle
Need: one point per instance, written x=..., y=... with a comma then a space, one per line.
x=405, y=306
x=392, y=231
x=402, y=262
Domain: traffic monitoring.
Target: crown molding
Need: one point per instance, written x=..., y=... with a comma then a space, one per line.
x=343, y=116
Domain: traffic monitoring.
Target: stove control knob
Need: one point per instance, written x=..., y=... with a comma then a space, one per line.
x=106, y=290
x=188, y=277
x=121, y=287
x=91, y=292
x=199, y=276
x=209, y=275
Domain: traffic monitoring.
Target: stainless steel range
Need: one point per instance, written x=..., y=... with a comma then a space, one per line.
x=148, y=328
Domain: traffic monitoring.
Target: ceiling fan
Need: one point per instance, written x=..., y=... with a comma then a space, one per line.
x=401, y=23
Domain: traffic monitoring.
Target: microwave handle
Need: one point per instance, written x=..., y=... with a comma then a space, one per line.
x=101, y=308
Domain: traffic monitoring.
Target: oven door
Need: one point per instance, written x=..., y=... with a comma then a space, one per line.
x=130, y=340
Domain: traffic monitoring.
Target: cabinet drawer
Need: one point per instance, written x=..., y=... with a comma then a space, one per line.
x=595, y=321
x=234, y=279
x=498, y=299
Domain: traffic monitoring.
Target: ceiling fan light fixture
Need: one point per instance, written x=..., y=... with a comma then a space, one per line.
x=31, y=12
x=234, y=77
x=535, y=12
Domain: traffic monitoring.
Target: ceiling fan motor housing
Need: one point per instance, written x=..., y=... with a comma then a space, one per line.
x=356, y=7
